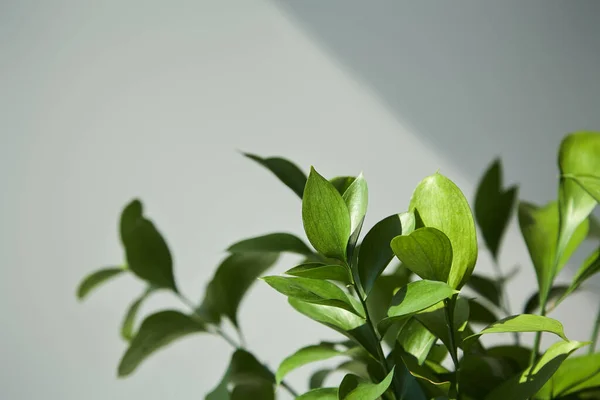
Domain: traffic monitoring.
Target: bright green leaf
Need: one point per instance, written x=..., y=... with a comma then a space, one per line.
x=156, y=332
x=96, y=279
x=312, y=291
x=286, y=171
x=575, y=374
x=485, y=287
x=322, y=271
x=127, y=327
x=356, y=198
x=526, y=384
x=417, y=340
x=342, y=183
x=493, y=206
x=274, y=242
x=325, y=216
x=366, y=390
x=146, y=251
x=320, y=394
x=305, y=356
x=440, y=204
x=375, y=251
x=427, y=252
x=231, y=281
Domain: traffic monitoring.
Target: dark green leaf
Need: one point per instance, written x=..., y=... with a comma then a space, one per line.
x=246, y=369
x=286, y=171
x=312, y=291
x=427, y=252
x=434, y=319
x=375, y=251
x=432, y=383
x=127, y=327
x=353, y=389
x=480, y=374
x=97, y=278
x=411, y=390
x=574, y=375
x=230, y=283
x=325, y=216
x=415, y=339
x=274, y=242
x=485, y=287
x=493, y=206
x=320, y=394
x=381, y=295
x=322, y=271
x=342, y=183
x=555, y=296
x=156, y=332
x=594, y=231
x=527, y=383
x=146, y=251
x=221, y=391
x=518, y=357
x=480, y=314
x=440, y=204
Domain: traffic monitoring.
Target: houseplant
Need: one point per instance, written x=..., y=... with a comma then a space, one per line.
x=399, y=320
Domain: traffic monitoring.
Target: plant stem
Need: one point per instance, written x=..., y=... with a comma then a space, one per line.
x=449, y=311
x=595, y=333
x=230, y=340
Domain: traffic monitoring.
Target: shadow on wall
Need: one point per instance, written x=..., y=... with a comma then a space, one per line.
x=475, y=81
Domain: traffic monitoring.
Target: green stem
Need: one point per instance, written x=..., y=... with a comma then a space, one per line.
x=230, y=340
x=449, y=311
x=595, y=333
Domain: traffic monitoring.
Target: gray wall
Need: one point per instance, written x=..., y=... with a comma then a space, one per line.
x=104, y=101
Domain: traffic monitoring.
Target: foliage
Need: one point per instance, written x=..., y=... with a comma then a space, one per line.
x=402, y=328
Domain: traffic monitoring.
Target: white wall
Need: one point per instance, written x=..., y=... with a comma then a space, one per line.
x=104, y=101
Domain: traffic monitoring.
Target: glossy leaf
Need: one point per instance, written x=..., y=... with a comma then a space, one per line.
x=127, y=327
x=96, y=279
x=312, y=291
x=273, y=242
x=357, y=390
x=285, y=170
x=325, y=216
x=375, y=251
x=146, y=251
x=540, y=227
x=480, y=314
x=306, y=355
x=321, y=271
x=522, y=323
x=427, y=252
x=231, y=281
x=156, y=332
x=342, y=183
x=440, y=204
x=493, y=206
x=356, y=198
x=320, y=394
x=486, y=288
x=574, y=375
x=417, y=340
x=528, y=382
x=555, y=296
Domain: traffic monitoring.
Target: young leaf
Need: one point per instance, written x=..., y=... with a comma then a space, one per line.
x=146, y=251
x=493, y=206
x=440, y=204
x=325, y=216
x=306, y=355
x=574, y=375
x=356, y=198
x=526, y=384
x=364, y=390
x=555, y=296
x=322, y=271
x=274, y=242
x=230, y=283
x=522, y=323
x=375, y=252
x=127, y=327
x=156, y=332
x=312, y=291
x=415, y=339
x=286, y=171
x=485, y=287
x=320, y=394
x=96, y=279
x=427, y=252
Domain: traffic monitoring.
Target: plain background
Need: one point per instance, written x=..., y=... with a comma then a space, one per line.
x=101, y=102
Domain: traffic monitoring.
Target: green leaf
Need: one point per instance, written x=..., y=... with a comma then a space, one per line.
x=356, y=198
x=594, y=231
x=485, y=287
x=540, y=227
x=286, y=171
x=427, y=252
x=434, y=319
x=480, y=374
x=417, y=340
x=342, y=183
x=415, y=297
x=306, y=355
x=590, y=267
x=517, y=356
x=357, y=367
x=312, y=291
x=357, y=390
x=249, y=378
x=522, y=323
x=555, y=296
x=526, y=384
x=320, y=394
x=146, y=251
x=156, y=332
x=325, y=216
x=441, y=205
x=96, y=279
x=574, y=375
x=274, y=242
x=322, y=271
x=385, y=287
x=480, y=314
x=221, y=391
x=343, y=321
x=230, y=283
x=375, y=251
x=493, y=206
x=127, y=327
